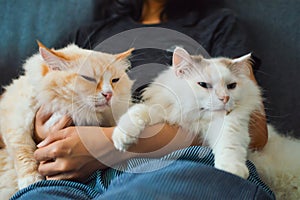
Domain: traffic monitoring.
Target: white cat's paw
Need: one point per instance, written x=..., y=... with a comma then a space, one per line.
x=29, y=179
x=239, y=169
x=138, y=116
x=122, y=141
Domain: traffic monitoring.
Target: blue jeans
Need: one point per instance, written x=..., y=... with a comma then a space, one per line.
x=187, y=177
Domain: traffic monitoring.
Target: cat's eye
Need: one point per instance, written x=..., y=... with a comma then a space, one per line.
x=205, y=85
x=114, y=80
x=231, y=86
x=88, y=78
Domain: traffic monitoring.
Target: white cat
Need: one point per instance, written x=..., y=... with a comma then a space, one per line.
x=83, y=84
x=213, y=98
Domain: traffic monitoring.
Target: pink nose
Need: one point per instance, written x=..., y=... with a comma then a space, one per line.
x=225, y=99
x=107, y=95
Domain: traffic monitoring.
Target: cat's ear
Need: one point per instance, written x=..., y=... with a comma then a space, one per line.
x=125, y=54
x=182, y=61
x=54, y=60
x=242, y=65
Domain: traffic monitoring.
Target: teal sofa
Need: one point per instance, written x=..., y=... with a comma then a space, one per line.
x=273, y=28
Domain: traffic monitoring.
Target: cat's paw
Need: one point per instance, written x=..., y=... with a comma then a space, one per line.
x=29, y=179
x=239, y=169
x=130, y=126
x=122, y=141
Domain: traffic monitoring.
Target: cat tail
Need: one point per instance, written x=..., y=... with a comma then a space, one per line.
x=8, y=176
x=278, y=165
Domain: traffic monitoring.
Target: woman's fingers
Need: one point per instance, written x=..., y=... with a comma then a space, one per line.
x=42, y=131
x=68, y=172
x=64, y=156
x=55, y=167
x=56, y=132
x=41, y=117
x=64, y=122
x=51, y=151
x=51, y=138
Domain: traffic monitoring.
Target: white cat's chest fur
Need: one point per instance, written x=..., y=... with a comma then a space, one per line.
x=180, y=104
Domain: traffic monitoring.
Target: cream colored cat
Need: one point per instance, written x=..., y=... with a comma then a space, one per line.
x=213, y=98
x=71, y=81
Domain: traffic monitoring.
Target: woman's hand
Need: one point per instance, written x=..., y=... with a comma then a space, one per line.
x=73, y=153
x=61, y=154
x=41, y=131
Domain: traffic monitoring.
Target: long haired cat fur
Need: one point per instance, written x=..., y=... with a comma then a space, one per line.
x=214, y=98
x=83, y=84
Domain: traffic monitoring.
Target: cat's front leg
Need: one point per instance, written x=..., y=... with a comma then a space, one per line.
x=230, y=149
x=130, y=125
x=25, y=164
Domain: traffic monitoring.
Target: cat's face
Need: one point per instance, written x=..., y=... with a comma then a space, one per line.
x=218, y=84
x=86, y=80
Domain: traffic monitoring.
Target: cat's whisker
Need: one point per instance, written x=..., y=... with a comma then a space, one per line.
x=263, y=72
x=77, y=101
x=80, y=105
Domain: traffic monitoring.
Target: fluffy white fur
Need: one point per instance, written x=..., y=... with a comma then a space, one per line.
x=71, y=81
x=176, y=97
x=196, y=94
x=278, y=165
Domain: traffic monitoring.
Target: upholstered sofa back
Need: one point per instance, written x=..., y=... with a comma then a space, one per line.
x=273, y=28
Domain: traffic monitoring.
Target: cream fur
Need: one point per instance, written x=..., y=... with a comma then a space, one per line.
x=67, y=81
x=8, y=175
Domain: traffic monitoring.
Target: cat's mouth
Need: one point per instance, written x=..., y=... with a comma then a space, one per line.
x=227, y=111
x=101, y=104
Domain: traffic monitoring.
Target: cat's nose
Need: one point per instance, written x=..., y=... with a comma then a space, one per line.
x=224, y=99
x=107, y=95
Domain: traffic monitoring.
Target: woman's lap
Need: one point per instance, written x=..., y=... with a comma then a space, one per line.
x=183, y=180
x=189, y=176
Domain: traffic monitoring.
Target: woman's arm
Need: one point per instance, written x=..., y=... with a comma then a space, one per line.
x=76, y=152
x=258, y=124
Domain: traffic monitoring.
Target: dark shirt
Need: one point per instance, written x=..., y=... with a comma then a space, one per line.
x=217, y=34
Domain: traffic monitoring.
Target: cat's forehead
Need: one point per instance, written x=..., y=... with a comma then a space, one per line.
x=97, y=63
x=214, y=70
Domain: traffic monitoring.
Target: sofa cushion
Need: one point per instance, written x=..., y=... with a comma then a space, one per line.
x=274, y=34
x=24, y=22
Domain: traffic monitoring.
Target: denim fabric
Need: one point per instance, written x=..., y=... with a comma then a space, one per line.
x=184, y=174
x=182, y=180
